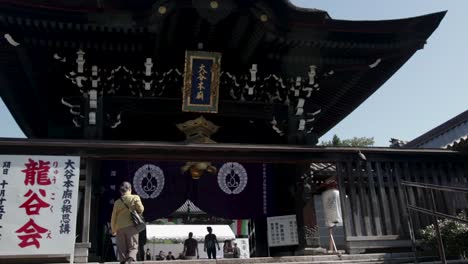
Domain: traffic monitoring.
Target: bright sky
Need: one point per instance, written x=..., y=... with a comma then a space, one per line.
x=427, y=91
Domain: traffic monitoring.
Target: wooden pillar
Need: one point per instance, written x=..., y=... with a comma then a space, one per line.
x=90, y=131
x=305, y=210
x=300, y=221
x=304, y=206
x=347, y=219
x=261, y=238
x=90, y=164
x=310, y=222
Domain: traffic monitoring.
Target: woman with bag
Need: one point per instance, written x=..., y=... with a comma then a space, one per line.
x=124, y=222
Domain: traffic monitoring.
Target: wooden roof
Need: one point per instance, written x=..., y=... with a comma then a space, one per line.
x=460, y=144
x=453, y=131
x=353, y=59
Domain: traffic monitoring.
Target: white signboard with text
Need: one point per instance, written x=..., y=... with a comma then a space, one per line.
x=38, y=205
x=282, y=231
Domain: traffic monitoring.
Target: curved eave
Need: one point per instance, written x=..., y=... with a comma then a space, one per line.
x=425, y=24
x=302, y=9
x=368, y=82
x=286, y=17
x=421, y=24
x=295, y=10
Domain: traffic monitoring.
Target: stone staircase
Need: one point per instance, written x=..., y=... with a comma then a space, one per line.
x=326, y=259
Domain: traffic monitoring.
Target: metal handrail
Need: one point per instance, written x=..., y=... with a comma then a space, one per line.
x=435, y=187
x=432, y=212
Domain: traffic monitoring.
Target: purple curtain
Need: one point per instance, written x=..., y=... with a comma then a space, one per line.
x=227, y=201
x=236, y=191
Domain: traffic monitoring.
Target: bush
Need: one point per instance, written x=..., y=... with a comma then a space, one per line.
x=454, y=236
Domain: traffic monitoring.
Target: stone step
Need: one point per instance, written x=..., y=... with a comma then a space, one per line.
x=239, y=261
x=396, y=258
x=325, y=259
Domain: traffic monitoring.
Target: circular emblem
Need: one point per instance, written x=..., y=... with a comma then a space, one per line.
x=148, y=181
x=232, y=178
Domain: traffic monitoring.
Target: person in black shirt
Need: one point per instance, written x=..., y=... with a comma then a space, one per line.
x=190, y=247
x=236, y=251
x=210, y=243
x=148, y=254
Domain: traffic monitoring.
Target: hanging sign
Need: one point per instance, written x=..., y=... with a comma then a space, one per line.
x=282, y=231
x=201, y=82
x=38, y=205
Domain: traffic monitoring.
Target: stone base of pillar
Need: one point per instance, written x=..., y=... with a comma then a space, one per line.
x=82, y=252
x=311, y=251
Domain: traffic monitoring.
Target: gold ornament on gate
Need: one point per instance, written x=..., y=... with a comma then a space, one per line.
x=198, y=169
x=198, y=131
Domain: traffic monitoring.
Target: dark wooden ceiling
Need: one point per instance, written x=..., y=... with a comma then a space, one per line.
x=125, y=33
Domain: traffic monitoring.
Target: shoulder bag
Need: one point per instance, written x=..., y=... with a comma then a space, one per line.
x=137, y=219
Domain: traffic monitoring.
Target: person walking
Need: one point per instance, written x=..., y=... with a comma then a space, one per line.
x=190, y=247
x=210, y=243
x=141, y=245
x=122, y=225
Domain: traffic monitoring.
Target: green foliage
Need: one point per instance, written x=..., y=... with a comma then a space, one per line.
x=352, y=142
x=163, y=241
x=454, y=236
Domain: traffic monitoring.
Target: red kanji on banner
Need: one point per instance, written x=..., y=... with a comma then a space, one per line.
x=34, y=203
x=37, y=172
x=32, y=234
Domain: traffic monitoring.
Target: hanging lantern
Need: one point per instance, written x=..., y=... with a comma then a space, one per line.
x=332, y=207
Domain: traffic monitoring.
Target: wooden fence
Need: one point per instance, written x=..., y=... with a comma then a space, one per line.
x=374, y=204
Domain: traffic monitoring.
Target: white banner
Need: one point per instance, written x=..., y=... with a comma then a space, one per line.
x=282, y=231
x=38, y=205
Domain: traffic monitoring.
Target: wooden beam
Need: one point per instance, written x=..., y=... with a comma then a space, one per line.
x=173, y=106
x=91, y=147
